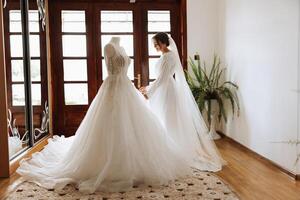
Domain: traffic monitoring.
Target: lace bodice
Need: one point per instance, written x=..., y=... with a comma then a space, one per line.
x=118, y=63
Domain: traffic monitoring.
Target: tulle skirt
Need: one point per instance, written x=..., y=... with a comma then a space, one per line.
x=181, y=117
x=120, y=143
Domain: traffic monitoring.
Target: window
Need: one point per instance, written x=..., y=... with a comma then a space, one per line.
x=74, y=57
x=158, y=21
x=16, y=58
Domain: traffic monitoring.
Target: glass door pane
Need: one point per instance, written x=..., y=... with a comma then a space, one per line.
x=158, y=21
x=75, y=68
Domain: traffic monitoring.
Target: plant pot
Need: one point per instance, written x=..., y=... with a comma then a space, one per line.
x=212, y=126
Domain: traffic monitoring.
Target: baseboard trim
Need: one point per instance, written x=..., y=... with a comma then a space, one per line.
x=262, y=158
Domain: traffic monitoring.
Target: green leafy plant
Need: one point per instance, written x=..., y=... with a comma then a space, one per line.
x=207, y=85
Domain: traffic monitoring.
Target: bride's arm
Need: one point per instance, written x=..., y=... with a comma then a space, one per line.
x=167, y=71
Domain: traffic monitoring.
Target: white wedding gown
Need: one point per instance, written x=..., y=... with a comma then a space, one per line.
x=119, y=143
x=172, y=101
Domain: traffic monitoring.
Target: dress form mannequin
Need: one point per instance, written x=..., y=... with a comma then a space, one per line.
x=109, y=48
x=115, y=40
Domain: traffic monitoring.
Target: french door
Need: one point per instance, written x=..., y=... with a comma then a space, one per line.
x=78, y=34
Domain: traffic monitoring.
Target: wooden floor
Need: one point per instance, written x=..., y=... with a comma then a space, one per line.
x=249, y=176
x=253, y=178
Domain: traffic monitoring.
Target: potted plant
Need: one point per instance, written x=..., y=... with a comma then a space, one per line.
x=211, y=92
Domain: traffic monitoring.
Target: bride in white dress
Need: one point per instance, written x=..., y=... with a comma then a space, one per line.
x=172, y=100
x=119, y=143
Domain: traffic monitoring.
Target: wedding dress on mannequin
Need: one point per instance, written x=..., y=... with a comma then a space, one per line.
x=119, y=143
x=171, y=99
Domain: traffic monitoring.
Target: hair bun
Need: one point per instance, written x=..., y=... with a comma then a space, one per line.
x=162, y=37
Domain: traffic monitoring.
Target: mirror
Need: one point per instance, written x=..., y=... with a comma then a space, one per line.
x=28, y=118
x=18, y=132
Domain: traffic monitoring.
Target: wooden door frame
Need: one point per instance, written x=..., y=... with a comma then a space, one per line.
x=179, y=35
x=57, y=63
x=183, y=33
x=4, y=157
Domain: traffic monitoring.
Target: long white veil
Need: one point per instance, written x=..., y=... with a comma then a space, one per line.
x=190, y=110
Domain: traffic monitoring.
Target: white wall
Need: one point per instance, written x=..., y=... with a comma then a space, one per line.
x=202, y=28
x=259, y=40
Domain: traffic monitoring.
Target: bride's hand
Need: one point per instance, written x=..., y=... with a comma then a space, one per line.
x=143, y=90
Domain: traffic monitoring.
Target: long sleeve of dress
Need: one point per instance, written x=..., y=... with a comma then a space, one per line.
x=167, y=70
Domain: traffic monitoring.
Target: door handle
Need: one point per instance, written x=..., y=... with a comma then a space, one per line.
x=139, y=81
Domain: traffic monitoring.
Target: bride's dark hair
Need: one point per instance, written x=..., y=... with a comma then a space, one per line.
x=162, y=37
